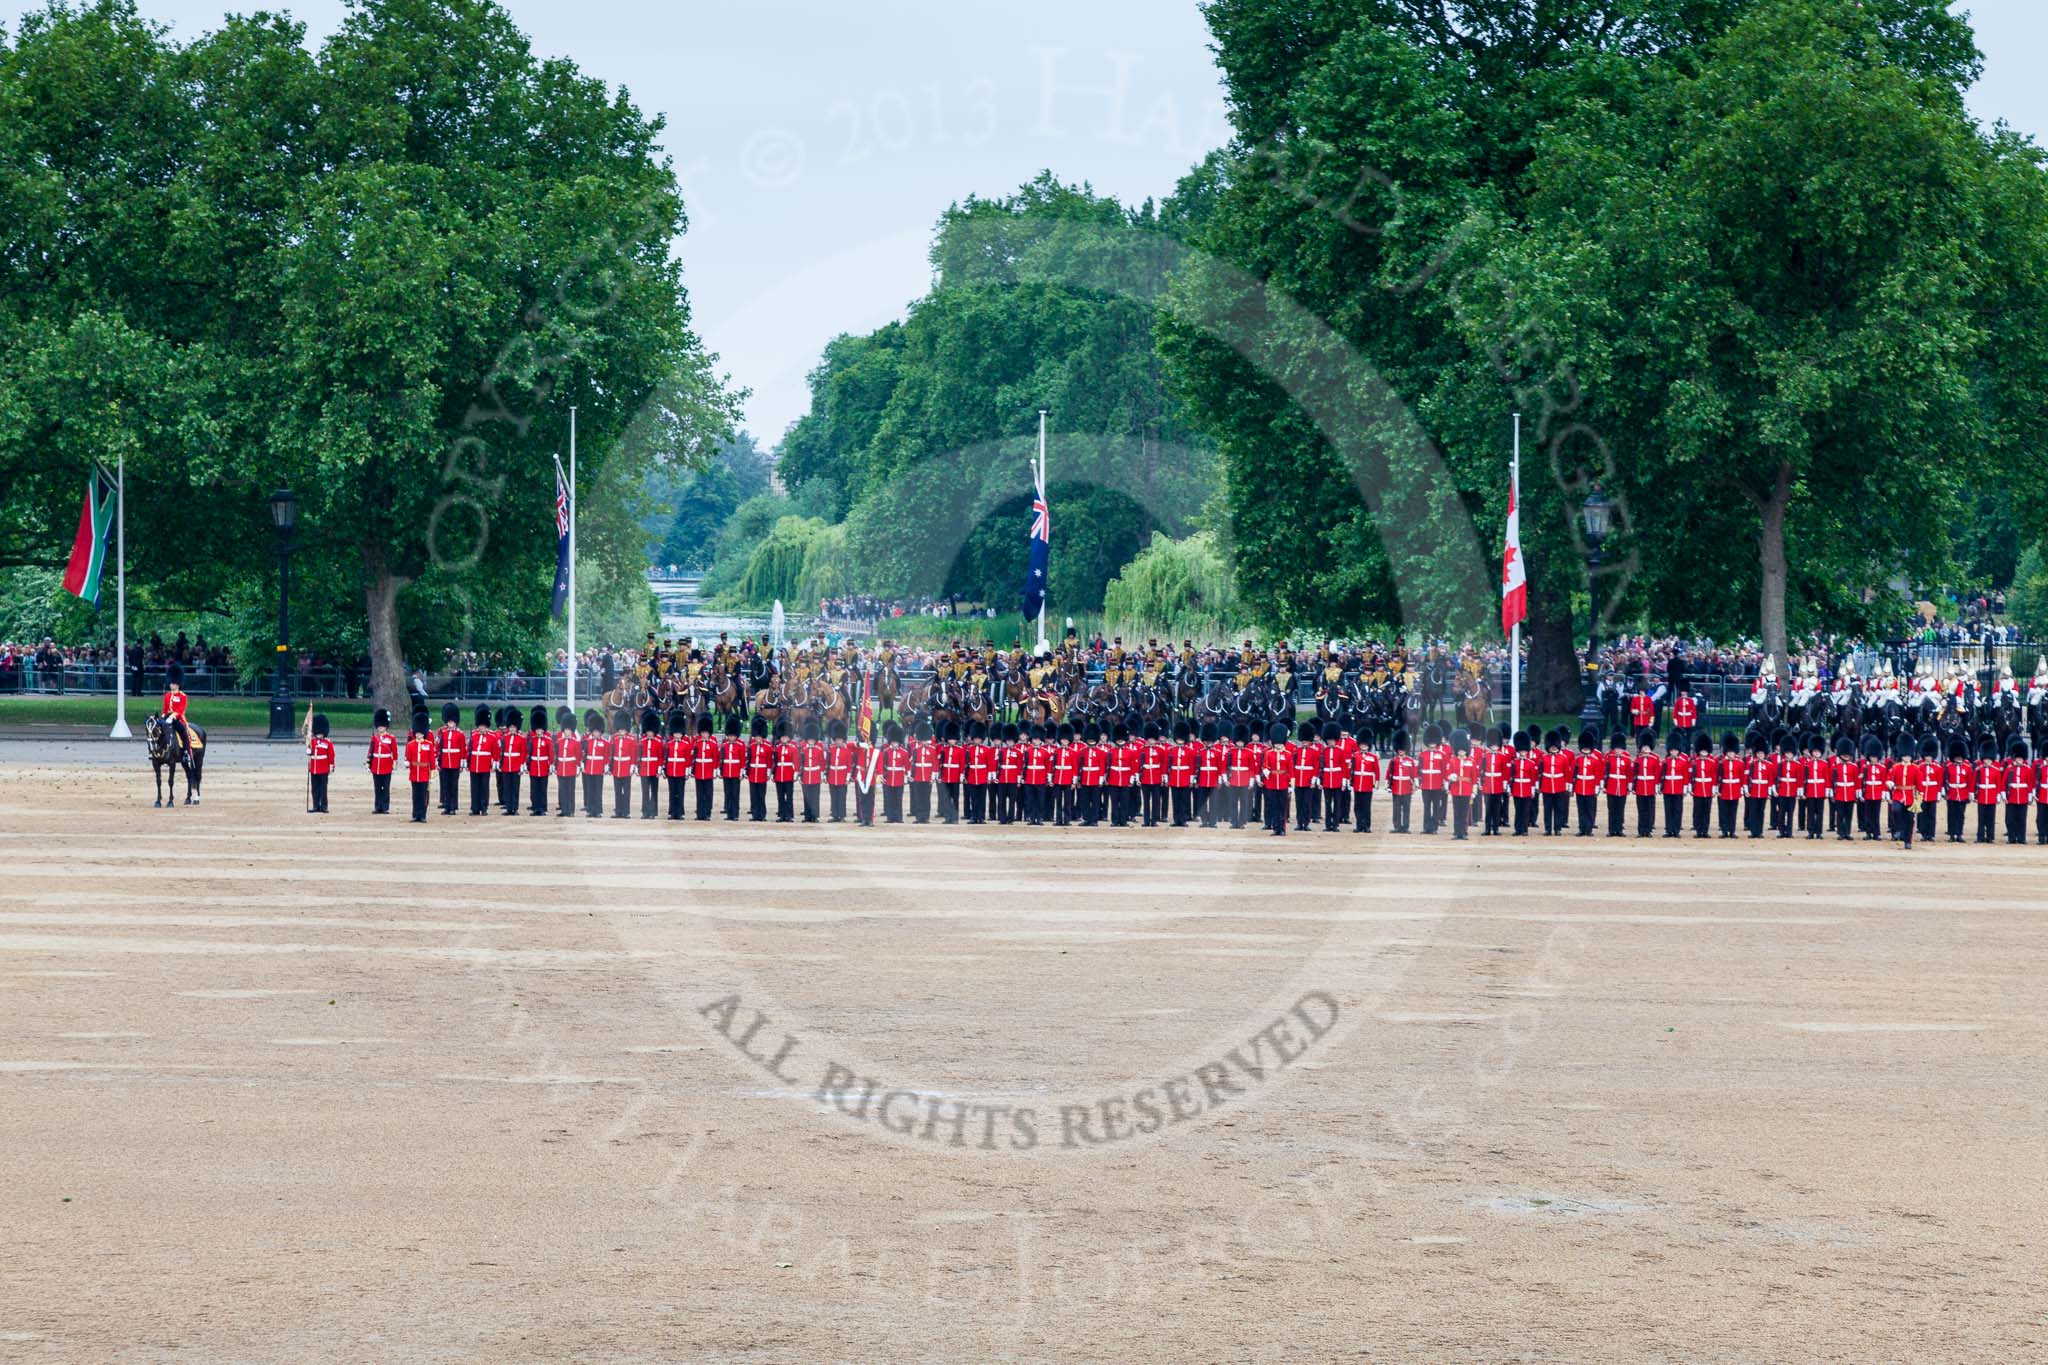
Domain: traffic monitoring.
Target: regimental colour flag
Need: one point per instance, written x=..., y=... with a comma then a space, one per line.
x=561, y=541
x=89, y=546
x=1041, y=548
x=1514, y=575
x=864, y=721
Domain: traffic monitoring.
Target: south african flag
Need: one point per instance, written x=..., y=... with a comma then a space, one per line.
x=89, y=547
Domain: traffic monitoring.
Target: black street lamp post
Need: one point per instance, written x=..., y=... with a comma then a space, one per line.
x=284, y=518
x=1594, y=520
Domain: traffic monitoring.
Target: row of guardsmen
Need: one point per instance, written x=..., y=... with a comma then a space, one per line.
x=1784, y=784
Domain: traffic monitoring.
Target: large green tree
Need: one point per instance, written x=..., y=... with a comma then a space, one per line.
x=380, y=274
x=1342, y=333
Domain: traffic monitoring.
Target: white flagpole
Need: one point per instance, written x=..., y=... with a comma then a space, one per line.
x=120, y=730
x=572, y=562
x=1042, y=646
x=1515, y=635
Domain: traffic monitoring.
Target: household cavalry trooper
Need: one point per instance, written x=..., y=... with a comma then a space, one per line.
x=568, y=761
x=451, y=750
x=540, y=762
x=597, y=758
x=419, y=764
x=483, y=761
x=381, y=759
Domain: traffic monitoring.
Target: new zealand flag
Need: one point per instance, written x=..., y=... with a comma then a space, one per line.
x=1041, y=549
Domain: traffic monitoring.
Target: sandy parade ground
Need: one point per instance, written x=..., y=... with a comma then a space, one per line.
x=277, y=1087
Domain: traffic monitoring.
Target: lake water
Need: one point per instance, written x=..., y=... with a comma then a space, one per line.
x=682, y=614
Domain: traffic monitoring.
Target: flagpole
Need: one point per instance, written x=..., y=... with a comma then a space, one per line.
x=1042, y=646
x=1515, y=635
x=120, y=730
x=572, y=562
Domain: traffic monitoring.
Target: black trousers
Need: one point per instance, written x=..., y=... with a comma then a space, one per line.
x=451, y=789
x=675, y=797
x=1402, y=807
x=705, y=787
x=837, y=796
x=1276, y=812
x=1646, y=816
x=1868, y=812
x=1674, y=814
x=1434, y=806
x=810, y=803
x=1957, y=813
x=622, y=798
x=593, y=794
x=536, y=794
x=1336, y=807
x=1753, y=816
x=419, y=802
x=1525, y=812
x=1617, y=815
x=1461, y=815
x=380, y=793
x=1361, y=806
x=508, y=793
x=1496, y=812
x=1927, y=821
x=1987, y=823
x=892, y=805
x=1845, y=819
x=785, y=801
x=921, y=802
x=565, y=796
x=318, y=792
x=1183, y=805
x=757, y=800
x=973, y=801
x=1902, y=823
x=1702, y=816
x=732, y=797
x=864, y=804
x=1726, y=808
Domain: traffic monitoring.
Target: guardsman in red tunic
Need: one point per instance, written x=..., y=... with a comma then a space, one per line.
x=451, y=751
x=1813, y=789
x=1958, y=788
x=1525, y=780
x=653, y=755
x=1845, y=784
x=483, y=761
x=1180, y=774
x=1876, y=783
x=1674, y=784
x=1365, y=780
x=1066, y=775
x=1643, y=784
x=1615, y=782
x=895, y=774
x=1212, y=756
x=597, y=761
x=1152, y=777
x=382, y=758
x=1554, y=783
x=1791, y=775
x=786, y=760
x=1642, y=715
x=1091, y=774
x=1706, y=774
x=1464, y=782
x=952, y=771
x=1760, y=779
x=1904, y=795
x=839, y=760
x=625, y=758
x=1496, y=773
x=1433, y=769
x=1034, y=775
x=1685, y=715
x=540, y=762
x=732, y=766
x=319, y=765
x=810, y=774
x=978, y=773
x=1990, y=786
x=1278, y=776
x=1009, y=775
x=924, y=770
x=1401, y=778
x=511, y=759
x=568, y=761
x=1733, y=772
x=760, y=768
x=1307, y=756
x=1240, y=772
x=677, y=757
x=419, y=765
x=1588, y=769
x=2019, y=791
x=1931, y=776
x=1333, y=783
x=704, y=758
x=2041, y=800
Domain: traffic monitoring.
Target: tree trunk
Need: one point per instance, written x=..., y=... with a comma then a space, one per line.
x=1771, y=553
x=387, y=663
x=1553, y=684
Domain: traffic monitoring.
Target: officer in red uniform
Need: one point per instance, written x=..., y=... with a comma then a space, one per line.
x=732, y=766
x=1463, y=783
x=652, y=757
x=597, y=758
x=1990, y=786
x=924, y=770
x=1685, y=714
x=1785, y=792
x=568, y=761
x=511, y=759
x=979, y=772
x=1009, y=775
x=1733, y=772
x=1642, y=715
x=1615, y=782
x=1845, y=785
x=952, y=771
x=838, y=770
x=2019, y=791
x=483, y=761
x=540, y=762
x=451, y=750
x=1525, y=781
x=1588, y=768
x=1180, y=775
x=1433, y=772
x=678, y=756
x=1496, y=772
x=1212, y=757
x=787, y=757
x=1365, y=780
x=1649, y=771
x=1876, y=784
x=1706, y=783
x=810, y=773
x=1152, y=777
x=319, y=765
x=1091, y=774
x=1307, y=777
x=867, y=777
x=625, y=758
x=419, y=765
x=1240, y=773
x=1760, y=777
x=895, y=774
x=704, y=757
x=760, y=768
x=1814, y=775
x=1034, y=774
x=1277, y=777
x=1675, y=782
x=1904, y=796
x=1066, y=774
x=381, y=759
x=1931, y=780
x=1402, y=775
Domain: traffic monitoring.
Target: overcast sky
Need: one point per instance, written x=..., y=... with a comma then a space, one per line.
x=817, y=141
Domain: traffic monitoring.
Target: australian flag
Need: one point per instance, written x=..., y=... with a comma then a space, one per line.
x=1041, y=548
x=561, y=541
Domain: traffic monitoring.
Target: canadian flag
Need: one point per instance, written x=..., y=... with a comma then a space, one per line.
x=1514, y=575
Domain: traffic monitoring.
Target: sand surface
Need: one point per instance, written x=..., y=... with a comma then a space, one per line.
x=276, y=1087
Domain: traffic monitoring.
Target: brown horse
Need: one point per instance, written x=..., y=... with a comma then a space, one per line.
x=1474, y=700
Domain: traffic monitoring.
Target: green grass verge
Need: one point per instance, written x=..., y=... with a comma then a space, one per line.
x=215, y=713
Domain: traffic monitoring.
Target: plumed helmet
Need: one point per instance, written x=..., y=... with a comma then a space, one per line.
x=319, y=722
x=381, y=719
x=451, y=714
x=538, y=720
